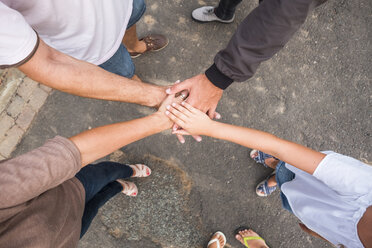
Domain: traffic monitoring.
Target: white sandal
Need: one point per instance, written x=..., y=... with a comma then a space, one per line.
x=216, y=240
x=141, y=170
x=129, y=188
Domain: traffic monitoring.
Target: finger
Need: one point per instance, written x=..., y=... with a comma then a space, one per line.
x=177, y=88
x=181, y=96
x=212, y=111
x=175, y=127
x=217, y=116
x=182, y=132
x=197, y=138
x=181, y=109
x=177, y=113
x=180, y=138
x=174, y=118
x=189, y=107
x=194, y=103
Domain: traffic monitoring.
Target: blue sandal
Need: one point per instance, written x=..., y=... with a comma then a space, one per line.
x=261, y=157
x=263, y=188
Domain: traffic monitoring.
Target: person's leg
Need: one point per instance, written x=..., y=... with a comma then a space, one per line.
x=131, y=41
x=120, y=63
x=226, y=9
x=225, y=12
x=135, y=46
x=92, y=206
x=267, y=186
x=282, y=176
x=95, y=177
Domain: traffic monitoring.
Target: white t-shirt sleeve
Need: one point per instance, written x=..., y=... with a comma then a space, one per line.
x=345, y=175
x=17, y=39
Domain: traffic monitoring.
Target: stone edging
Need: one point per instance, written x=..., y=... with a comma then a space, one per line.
x=20, y=100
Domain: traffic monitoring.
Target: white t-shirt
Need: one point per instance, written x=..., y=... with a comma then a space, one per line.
x=89, y=30
x=332, y=200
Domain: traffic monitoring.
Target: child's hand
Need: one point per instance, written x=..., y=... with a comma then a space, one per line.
x=192, y=120
x=167, y=101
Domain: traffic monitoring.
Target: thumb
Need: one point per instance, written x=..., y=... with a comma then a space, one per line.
x=177, y=88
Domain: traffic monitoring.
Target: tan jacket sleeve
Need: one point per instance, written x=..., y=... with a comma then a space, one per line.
x=31, y=174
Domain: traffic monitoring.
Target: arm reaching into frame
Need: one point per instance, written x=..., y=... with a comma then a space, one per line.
x=59, y=159
x=65, y=73
x=261, y=35
x=196, y=122
x=101, y=141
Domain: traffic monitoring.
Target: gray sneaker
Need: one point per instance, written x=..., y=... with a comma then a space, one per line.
x=206, y=14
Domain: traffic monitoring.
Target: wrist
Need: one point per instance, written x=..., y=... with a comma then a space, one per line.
x=156, y=95
x=217, y=78
x=210, y=128
x=161, y=121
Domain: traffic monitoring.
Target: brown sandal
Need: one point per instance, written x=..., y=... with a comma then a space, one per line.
x=154, y=42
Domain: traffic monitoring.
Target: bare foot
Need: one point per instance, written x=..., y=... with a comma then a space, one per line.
x=256, y=242
x=220, y=240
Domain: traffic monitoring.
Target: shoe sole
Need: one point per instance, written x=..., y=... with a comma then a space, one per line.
x=224, y=22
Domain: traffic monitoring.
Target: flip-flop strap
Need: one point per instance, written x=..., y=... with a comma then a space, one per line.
x=212, y=241
x=245, y=239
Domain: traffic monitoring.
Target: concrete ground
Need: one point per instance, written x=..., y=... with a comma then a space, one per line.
x=317, y=92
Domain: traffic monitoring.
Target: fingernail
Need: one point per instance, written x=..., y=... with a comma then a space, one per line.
x=167, y=112
x=183, y=103
x=182, y=141
x=173, y=104
x=168, y=107
x=174, y=129
x=218, y=116
x=168, y=91
x=198, y=139
x=177, y=82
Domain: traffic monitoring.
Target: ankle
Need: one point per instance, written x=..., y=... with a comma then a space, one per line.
x=138, y=47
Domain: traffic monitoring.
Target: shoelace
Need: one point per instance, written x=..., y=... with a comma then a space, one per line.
x=209, y=11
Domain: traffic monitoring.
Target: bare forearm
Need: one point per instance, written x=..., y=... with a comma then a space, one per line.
x=101, y=141
x=77, y=77
x=297, y=155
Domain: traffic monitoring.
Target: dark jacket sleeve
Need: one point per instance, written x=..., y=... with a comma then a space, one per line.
x=260, y=36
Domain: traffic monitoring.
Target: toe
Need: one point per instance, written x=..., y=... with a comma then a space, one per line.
x=239, y=238
x=253, y=155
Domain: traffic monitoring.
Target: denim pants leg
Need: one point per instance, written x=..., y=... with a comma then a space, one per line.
x=121, y=63
x=91, y=207
x=226, y=9
x=100, y=185
x=284, y=175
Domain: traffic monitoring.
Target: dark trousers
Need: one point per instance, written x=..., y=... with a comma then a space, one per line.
x=99, y=182
x=226, y=9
